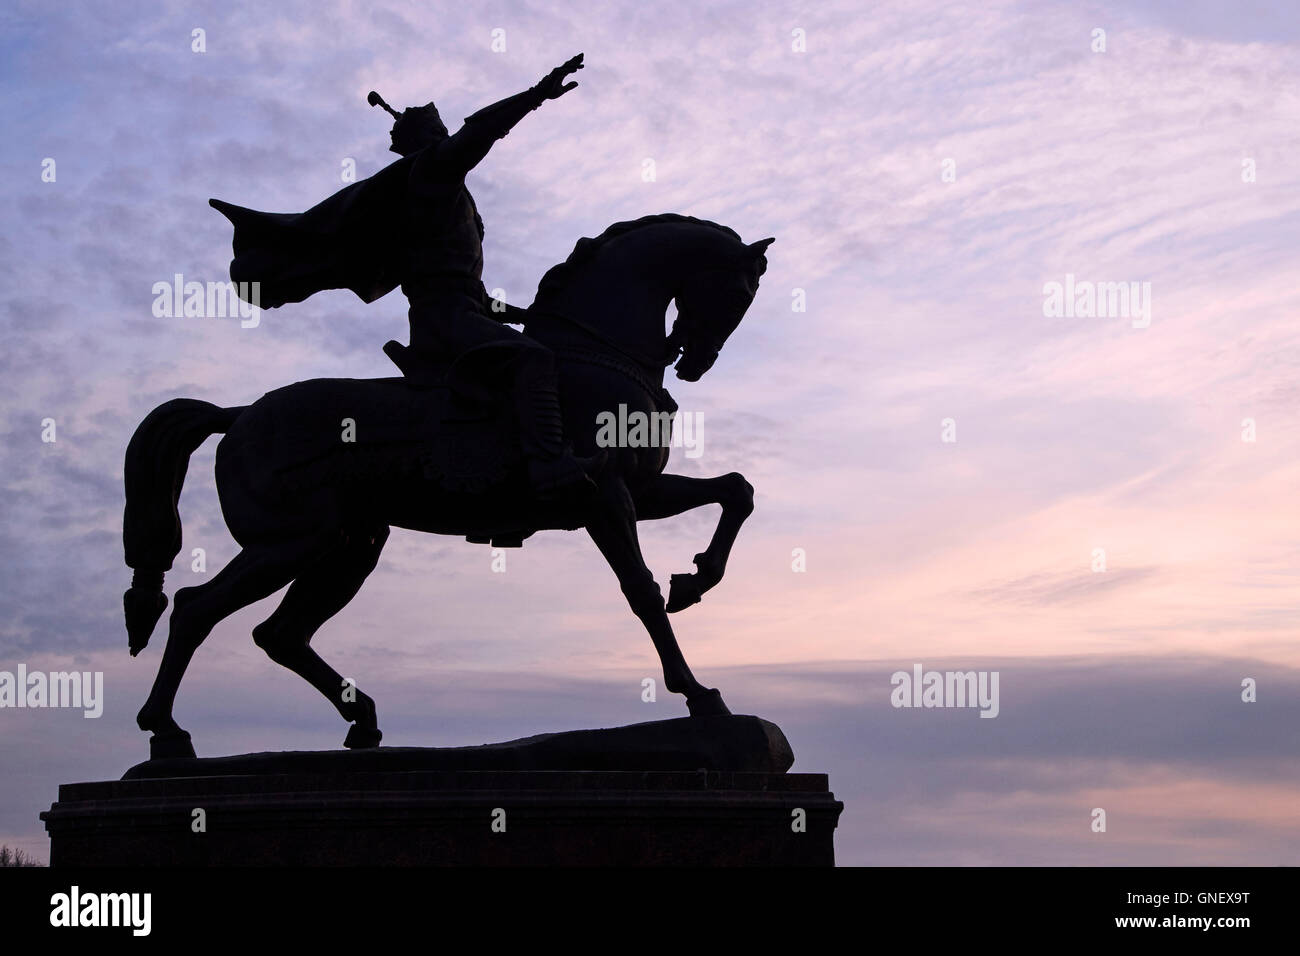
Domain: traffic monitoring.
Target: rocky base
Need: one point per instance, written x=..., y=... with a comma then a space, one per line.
x=732, y=742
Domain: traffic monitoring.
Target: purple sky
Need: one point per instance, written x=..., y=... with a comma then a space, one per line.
x=1119, y=688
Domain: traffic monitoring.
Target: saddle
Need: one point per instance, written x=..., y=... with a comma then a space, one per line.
x=424, y=373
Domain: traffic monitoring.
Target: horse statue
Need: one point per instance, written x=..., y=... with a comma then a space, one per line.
x=312, y=476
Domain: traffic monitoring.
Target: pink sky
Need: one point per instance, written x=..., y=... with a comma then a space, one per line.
x=924, y=302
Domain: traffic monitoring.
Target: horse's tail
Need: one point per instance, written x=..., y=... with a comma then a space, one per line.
x=157, y=458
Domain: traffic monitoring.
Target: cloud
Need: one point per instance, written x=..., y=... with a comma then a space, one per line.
x=1047, y=589
x=924, y=303
x=1187, y=772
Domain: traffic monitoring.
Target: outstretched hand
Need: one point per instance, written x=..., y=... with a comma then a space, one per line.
x=553, y=86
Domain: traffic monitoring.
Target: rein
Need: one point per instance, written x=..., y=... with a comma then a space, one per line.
x=662, y=399
x=640, y=360
x=637, y=370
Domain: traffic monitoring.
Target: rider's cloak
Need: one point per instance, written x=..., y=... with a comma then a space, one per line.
x=348, y=241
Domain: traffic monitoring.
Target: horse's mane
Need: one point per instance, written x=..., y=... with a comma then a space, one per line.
x=558, y=276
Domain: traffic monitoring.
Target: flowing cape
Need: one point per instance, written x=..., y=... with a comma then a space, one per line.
x=348, y=241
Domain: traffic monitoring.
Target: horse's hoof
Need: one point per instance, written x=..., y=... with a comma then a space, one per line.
x=362, y=738
x=142, y=608
x=683, y=591
x=170, y=746
x=707, y=703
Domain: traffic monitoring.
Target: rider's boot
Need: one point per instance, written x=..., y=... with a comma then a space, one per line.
x=553, y=471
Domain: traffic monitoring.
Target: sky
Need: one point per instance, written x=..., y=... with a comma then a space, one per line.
x=1099, y=508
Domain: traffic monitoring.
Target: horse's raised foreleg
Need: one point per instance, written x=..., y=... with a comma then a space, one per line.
x=667, y=495
x=315, y=596
x=613, y=529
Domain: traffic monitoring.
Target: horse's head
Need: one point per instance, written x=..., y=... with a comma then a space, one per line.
x=710, y=304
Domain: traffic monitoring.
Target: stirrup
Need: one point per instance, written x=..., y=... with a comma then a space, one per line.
x=559, y=477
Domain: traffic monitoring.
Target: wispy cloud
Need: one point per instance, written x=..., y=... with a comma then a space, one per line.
x=924, y=303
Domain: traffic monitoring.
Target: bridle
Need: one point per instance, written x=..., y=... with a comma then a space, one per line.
x=654, y=366
x=674, y=342
x=639, y=369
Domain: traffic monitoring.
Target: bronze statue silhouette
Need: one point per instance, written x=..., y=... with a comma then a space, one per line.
x=312, y=476
x=415, y=224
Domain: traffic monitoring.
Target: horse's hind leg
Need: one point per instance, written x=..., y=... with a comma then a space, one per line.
x=319, y=593
x=253, y=574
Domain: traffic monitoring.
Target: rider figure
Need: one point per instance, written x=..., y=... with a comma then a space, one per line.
x=414, y=224
x=441, y=268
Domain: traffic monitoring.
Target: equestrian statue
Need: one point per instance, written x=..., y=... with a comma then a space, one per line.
x=489, y=433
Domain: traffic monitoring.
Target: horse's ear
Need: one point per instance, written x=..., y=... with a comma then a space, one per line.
x=756, y=249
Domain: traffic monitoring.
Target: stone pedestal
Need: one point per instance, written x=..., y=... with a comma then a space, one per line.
x=423, y=818
x=690, y=792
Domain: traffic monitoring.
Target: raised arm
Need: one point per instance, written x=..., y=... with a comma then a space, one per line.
x=466, y=148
